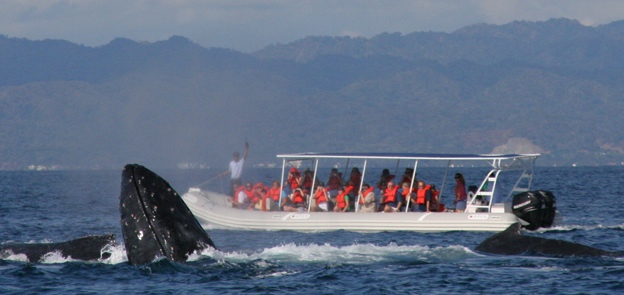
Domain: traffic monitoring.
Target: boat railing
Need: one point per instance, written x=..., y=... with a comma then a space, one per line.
x=486, y=196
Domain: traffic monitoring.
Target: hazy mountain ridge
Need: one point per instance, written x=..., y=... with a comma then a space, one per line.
x=553, y=87
x=552, y=43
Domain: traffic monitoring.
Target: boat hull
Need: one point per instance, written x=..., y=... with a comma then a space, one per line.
x=213, y=210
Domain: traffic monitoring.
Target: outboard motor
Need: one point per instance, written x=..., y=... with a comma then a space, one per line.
x=550, y=207
x=535, y=207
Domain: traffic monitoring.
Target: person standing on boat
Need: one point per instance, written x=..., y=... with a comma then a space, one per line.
x=236, y=169
x=460, y=193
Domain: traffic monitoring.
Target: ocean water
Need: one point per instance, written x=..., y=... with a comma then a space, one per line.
x=62, y=205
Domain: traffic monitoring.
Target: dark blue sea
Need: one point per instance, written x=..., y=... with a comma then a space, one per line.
x=53, y=206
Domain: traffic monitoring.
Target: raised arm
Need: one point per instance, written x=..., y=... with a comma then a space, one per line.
x=246, y=150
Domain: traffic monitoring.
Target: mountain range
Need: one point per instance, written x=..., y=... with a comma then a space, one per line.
x=553, y=87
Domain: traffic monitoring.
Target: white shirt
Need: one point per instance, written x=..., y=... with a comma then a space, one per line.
x=242, y=197
x=236, y=168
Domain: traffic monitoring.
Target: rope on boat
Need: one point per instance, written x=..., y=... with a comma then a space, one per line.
x=210, y=180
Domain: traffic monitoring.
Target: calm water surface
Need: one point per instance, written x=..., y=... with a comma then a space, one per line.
x=57, y=206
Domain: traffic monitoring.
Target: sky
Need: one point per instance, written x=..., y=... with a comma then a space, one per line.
x=248, y=26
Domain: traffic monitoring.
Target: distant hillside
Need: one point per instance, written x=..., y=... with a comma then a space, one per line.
x=553, y=43
x=553, y=87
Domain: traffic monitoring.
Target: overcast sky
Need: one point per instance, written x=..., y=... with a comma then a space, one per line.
x=251, y=25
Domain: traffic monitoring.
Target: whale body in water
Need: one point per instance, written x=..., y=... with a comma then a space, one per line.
x=155, y=221
x=512, y=242
x=85, y=248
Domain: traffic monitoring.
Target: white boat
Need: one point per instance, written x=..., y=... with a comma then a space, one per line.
x=489, y=209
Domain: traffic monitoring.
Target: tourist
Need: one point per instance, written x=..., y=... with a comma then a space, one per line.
x=460, y=193
x=273, y=196
x=307, y=180
x=383, y=179
x=423, y=197
x=236, y=169
x=294, y=179
x=257, y=202
x=434, y=205
x=356, y=177
x=288, y=206
x=245, y=197
x=299, y=199
x=320, y=197
x=342, y=201
x=407, y=176
x=334, y=182
x=409, y=194
x=367, y=199
x=391, y=200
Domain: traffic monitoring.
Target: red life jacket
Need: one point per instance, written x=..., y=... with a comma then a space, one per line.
x=356, y=178
x=435, y=202
x=294, y=180
x=421, y=195
x=434, y=194
x=334, y=182
x=307, y=181
x=460, y=189
x=297, y=198
x=390, y=195
x=320, y=196
x=251, y=196
x=406, y=193
x=365, y=193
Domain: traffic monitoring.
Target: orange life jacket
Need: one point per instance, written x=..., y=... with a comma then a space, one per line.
x=274, y=193
x=251, y=196
x=390, y=195
x=294, y=180
x=320, y=196
x=421, y=195
x=349, y=189
x=365, y=193
x=297, y=198
x=340, y=200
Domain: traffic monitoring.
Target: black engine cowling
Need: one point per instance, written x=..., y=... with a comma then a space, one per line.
x=535, y=207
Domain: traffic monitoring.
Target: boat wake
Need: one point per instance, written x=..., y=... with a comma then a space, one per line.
x=356, y=254
x=350, y=254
